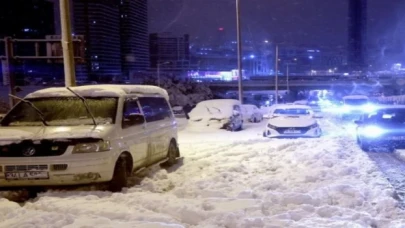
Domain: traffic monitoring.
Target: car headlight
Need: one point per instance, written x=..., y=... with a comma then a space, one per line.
x=271, y=126
x=346, y=109
x=369, y=108
x=372, y=131
x=99, y=146
x=315, y=125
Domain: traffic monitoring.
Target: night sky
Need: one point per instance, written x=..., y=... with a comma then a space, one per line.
x=307, y=22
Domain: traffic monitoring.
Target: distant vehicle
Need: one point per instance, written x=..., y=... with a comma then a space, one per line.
x=221, y=114
x=384, y=127
x=292, y=121
x=252, y=113
x=354, y=106
x=86, y=134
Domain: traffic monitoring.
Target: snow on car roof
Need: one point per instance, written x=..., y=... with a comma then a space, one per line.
x=355, y=97
x=218, y=102
x=100, y=91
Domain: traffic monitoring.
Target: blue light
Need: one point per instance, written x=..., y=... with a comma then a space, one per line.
x=252, y=56
x=310, y=57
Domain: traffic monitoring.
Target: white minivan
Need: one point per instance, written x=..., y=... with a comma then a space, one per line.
x=86, y=134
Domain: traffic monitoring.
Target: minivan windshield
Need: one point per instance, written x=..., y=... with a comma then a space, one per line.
x=63, y=111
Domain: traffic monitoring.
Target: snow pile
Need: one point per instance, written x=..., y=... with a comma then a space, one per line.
x=326, y=182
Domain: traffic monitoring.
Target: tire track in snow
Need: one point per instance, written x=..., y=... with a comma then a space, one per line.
x=394, y=169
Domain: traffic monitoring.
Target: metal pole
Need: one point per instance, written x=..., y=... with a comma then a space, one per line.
x=276, y=74
x=158, y=74
x=8, y=72
x=288, y=76
x=67, y=44
x=239, y=41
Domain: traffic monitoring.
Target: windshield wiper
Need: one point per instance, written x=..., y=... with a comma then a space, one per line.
x=85, y=104
x=40, y=114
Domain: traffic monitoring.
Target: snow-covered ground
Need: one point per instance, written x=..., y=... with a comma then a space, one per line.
x=237, y=179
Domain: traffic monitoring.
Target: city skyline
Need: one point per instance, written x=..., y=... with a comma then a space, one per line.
x=325, y=24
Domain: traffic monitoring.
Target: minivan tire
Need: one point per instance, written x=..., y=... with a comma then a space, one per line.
x=172, y=154
x=120, y=176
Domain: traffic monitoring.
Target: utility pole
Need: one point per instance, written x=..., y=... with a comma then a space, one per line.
x=67, y=44
x=276, y=75
x=288, y=76
x=239, y=41
x=8, y=73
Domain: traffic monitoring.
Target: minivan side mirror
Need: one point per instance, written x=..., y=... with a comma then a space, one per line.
x=132, y=120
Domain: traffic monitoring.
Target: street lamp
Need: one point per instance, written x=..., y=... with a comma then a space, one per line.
x=239, y=41
x=158, y=71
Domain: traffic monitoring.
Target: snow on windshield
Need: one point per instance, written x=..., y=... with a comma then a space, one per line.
x=63, y=111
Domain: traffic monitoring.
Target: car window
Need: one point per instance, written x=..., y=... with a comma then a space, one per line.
x=387, y=116
x=155, y=108
x=292, y=111
x=131, y=108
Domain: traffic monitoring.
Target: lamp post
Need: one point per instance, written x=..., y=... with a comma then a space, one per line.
x=67, y=44
x=239, y=40
x=276, y=75
x=158, y=71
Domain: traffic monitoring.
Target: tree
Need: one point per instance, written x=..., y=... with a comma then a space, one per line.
x=182, y=91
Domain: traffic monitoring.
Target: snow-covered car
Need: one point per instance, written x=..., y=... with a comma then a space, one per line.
x=86, y=134
x=252, y=113
x=292, y=121
x=219, y=113
x=355, y=106
x=384, y=127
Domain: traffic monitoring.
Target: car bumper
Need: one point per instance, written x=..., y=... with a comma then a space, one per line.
x=385, y=142
x=54, y=171
x=312, y=133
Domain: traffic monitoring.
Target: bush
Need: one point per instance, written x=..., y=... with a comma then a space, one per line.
x=183, y=91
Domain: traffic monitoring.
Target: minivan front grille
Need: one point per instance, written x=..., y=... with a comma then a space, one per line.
x=30, y=149
x=15, y=168
x=59, y=167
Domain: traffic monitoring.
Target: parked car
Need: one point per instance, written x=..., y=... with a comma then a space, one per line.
x=86, y=134
x=220, y=114
x=252, y=113
x=290, y=120
x=384, y=127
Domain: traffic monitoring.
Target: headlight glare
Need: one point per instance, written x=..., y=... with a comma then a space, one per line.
x=99, y=146
x=372, y=132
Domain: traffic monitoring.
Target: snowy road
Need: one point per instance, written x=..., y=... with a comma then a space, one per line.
x=235, y=180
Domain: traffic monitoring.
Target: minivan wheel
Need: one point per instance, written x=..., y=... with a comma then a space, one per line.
x=120, y=176
x=172, y=154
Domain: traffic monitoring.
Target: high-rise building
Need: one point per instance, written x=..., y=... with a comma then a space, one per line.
x=37, y=21
x=134, y=35
x=170, y=52
x=99, y=22
x=357, y=42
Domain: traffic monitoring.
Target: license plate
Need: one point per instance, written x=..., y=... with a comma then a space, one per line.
x=30, y=175
x=292, y=132
x=398, y=138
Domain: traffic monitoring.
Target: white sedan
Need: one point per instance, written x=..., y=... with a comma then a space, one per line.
x=292, y=121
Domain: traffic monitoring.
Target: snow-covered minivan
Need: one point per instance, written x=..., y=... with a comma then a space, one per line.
x=86, y=134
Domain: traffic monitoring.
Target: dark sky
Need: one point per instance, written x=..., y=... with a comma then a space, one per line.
x=309, y=22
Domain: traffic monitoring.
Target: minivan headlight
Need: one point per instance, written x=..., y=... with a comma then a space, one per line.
x=99, y=146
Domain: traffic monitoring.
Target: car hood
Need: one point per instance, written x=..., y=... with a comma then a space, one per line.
x=16, y=134
x=291, y=121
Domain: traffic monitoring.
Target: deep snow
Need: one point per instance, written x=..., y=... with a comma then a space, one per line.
x=234, y=180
